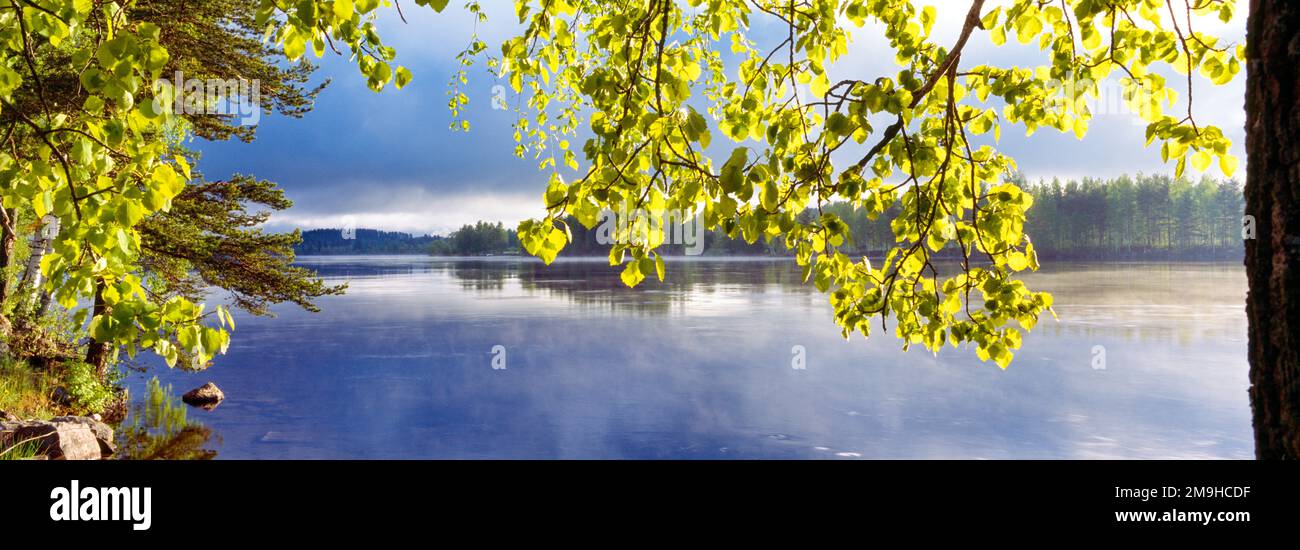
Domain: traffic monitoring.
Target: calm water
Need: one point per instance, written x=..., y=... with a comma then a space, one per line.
x=700, y=367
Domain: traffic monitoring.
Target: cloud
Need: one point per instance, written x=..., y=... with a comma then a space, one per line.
x=404, y=207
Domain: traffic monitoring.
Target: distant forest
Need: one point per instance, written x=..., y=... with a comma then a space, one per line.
x=1126, y=218
x=323, y=242
x=1144, y=217
x=1140, y=217
x=480, y=239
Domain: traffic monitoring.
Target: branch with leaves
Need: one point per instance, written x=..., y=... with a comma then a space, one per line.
x=653, y=84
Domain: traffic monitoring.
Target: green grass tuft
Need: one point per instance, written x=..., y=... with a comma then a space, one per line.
x=26, y=393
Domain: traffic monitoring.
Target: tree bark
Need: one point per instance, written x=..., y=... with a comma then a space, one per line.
x=97, y=353
x=8, y=238
x=1273, y=256
x=41, y=244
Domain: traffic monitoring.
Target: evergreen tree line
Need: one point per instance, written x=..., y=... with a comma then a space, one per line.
x=1138, y=217
x=1129, y=217
x=480, y=239
x=324, y=242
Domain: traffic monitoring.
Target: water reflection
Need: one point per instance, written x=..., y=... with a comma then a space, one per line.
x=699, y=367
x=158, y=428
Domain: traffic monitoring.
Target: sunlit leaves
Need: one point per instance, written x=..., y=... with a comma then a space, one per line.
x=100, y=170
x=542, y=239
x=323, y=26
x=1027, y=27
x=643, y=74
x=628, y=96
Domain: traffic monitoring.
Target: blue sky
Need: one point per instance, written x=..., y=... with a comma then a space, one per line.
x=389, y=160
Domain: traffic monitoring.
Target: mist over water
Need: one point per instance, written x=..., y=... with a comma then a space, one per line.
x=700, y=366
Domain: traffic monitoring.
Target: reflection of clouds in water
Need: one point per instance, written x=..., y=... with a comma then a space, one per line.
x=699, y=367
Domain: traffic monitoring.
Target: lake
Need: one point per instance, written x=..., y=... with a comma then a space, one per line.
x=507, y=358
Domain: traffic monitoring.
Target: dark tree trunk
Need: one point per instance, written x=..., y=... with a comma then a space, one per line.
x=43, y=304
x=1273, y=256
x=97, y=352
x=8, y=238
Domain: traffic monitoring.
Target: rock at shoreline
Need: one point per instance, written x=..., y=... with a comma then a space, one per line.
x=61, y=438
x=103, y=433
x=207, y=396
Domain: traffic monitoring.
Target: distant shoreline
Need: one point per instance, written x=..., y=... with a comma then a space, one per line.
x=757, y=258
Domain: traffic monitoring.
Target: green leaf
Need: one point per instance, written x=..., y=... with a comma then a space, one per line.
x=632, y=274
x=82, y=153
x=130, y=212
x=437, y=5
x=403, y=77
x=1027, y=27
x=733, y=172
x=1018, y=261
x=820, y=86
x=1228, y=165
x=1201, y=160
x=100, y=328
x=342, y=9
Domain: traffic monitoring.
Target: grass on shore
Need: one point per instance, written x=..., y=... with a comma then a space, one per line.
x=25, y=393
x=24, y=450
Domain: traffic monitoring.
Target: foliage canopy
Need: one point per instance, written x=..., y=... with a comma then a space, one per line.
x=645, y=85
x=650, y=81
